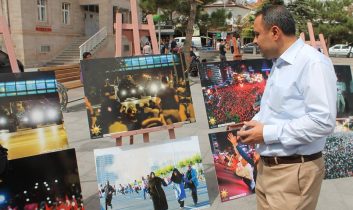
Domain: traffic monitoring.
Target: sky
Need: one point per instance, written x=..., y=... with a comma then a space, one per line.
x=133, y=162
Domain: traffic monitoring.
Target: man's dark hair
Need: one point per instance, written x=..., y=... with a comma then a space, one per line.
x=278, y=15
x=86, y=54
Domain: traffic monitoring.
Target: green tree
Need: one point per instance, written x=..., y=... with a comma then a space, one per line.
x=302, y=11
x=186, y=12
x=333, y=20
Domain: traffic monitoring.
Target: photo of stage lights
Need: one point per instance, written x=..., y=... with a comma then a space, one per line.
x=142, y=96
x=232, y=90
x=47, y=181
x=31, y=120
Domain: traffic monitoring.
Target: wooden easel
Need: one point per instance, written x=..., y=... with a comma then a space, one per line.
x=4, y=30
x=236, y=54
x=316, y=44
x=145, y=132
x=133, y=31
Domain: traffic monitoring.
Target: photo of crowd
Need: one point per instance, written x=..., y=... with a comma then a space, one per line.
x=232, y=90
x=122, y=99
x=235, y=165
x=48, y=181
x=338, y=154
x=161, y=176
x=30, y=114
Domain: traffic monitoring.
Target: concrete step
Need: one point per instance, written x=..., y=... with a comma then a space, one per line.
x=67, y=57
x=71, y=54
x=66, y=60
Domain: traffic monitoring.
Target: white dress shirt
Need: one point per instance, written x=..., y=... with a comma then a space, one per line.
x=298, y=107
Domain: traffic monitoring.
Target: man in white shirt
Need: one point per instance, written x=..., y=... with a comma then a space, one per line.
x=147, y=49
x=297, y=112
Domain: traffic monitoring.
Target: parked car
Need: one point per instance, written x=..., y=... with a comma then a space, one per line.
x=340, y=50
x=249, y=48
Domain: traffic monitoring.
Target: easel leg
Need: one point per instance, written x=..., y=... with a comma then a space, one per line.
x=171, y=133
x=146, y=137
x=119, y=141
x=131, y=140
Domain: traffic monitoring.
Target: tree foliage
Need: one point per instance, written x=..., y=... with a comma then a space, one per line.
x=334, y=20
x=182, y=12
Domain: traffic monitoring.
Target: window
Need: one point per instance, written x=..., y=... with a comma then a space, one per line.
x=345, y=47
x=337, y=47
x=44, y=48
x=42, y=10
x=66, y=13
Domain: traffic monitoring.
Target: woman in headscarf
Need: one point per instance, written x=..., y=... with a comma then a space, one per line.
x=178, y=186
x=158, y=196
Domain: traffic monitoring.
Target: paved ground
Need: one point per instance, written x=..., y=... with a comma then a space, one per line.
x=335, y=194
x=136, y=201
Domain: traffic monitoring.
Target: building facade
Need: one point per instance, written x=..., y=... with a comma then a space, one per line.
x=42, y=29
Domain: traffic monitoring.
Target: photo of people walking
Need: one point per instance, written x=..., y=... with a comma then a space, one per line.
x=160, y=176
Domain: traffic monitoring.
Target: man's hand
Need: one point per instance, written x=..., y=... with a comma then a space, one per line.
x=253, y=135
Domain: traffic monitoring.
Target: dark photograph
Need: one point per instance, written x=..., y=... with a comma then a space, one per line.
x=125, y=94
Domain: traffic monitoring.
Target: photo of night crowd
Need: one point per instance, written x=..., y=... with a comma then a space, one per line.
x=47, y=181
x=338, y=154
x=30, y=114
x=123, y=99
x=235, y=165
x=232, y=90
x=171, y=176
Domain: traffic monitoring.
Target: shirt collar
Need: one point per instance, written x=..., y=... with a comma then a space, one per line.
x=289, y=55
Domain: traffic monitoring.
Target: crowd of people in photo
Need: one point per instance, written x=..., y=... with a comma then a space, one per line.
x=233, y=103
x=240, y=159
x=338, y=154
x=153, y=101
x=151, y=187
x=45, y=196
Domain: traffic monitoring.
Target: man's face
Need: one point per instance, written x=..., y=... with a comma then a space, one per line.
x=264, y=38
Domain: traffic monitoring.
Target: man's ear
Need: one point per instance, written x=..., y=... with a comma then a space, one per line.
x=275, y=31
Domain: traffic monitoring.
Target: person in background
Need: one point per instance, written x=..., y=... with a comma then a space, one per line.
x=222, y=51
x=147, y=49
x=192, y=182
x=85, y=56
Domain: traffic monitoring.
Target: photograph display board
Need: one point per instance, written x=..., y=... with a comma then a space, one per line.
x=125, y=180
x=235, y=165
x=46, y=181
x=338, y=152
x=31, y=120
x=125, y=94
x=232, y=90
